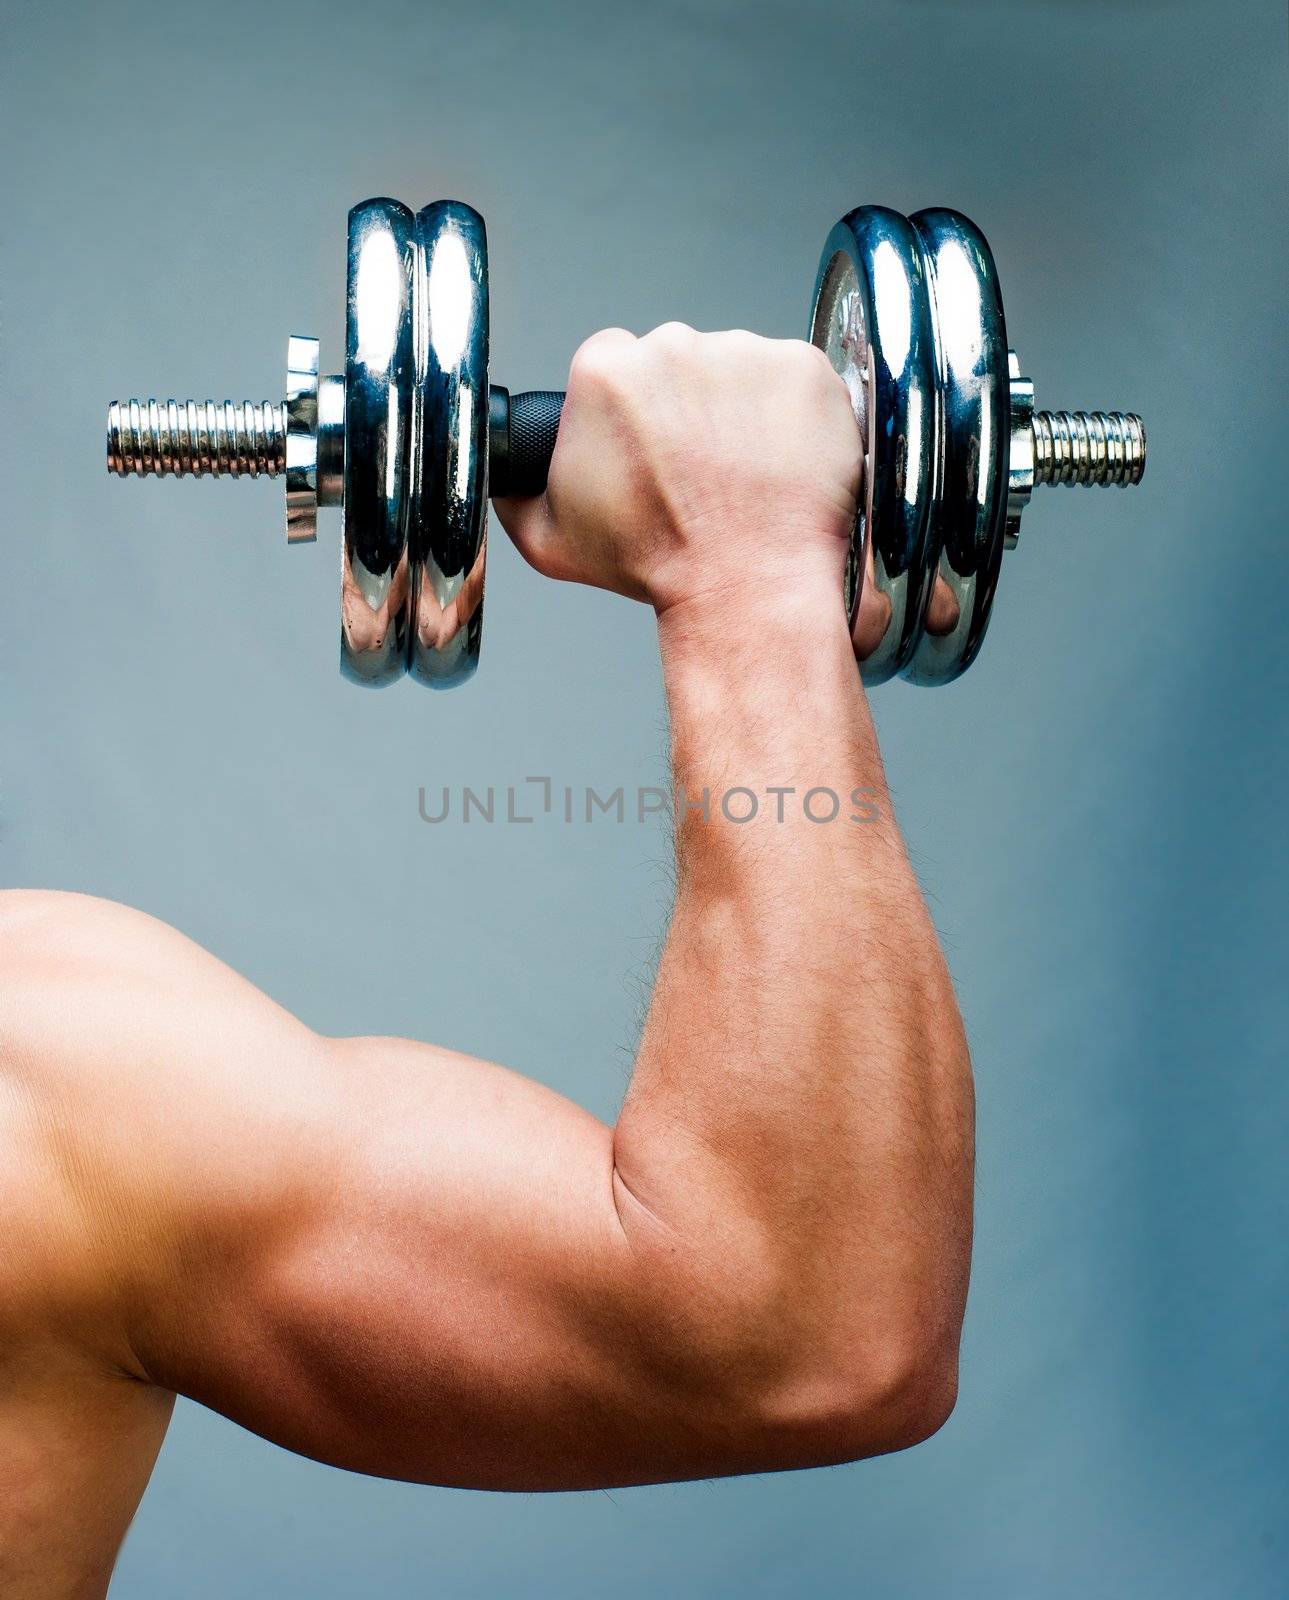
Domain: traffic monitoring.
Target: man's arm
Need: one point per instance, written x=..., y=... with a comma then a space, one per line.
x=414, y=1264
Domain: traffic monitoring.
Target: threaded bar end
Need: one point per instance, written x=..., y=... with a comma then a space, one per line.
x=197, y=438
x=1089, y=447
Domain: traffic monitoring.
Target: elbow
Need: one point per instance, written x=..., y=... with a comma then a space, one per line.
x=895, y=1404
x=767, y=1369
x=897, y=1394
x=790, y=1392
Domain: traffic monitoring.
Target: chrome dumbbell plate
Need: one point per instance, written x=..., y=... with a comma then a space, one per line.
x=872, y=317
x=909, y=313
x=415, y=452
x=375, y=601
x=970, y=503
x=448, y=515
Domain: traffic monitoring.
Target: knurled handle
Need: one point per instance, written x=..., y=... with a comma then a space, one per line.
x=522, y=429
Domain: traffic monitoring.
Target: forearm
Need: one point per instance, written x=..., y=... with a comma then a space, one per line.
x=801, y=1111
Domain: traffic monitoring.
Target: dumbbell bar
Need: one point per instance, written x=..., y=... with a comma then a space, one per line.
x=412, y=440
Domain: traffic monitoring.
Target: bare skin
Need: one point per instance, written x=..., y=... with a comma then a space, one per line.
x=410, y=1263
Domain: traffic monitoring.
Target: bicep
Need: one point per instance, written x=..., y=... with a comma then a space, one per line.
x=433, y=1292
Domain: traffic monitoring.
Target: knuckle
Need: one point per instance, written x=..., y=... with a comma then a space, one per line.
x=739, y=347
x=597, y=360
x=817, y=377
x=673, y=336
x=809, y=360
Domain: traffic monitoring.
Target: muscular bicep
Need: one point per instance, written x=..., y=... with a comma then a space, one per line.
x=438, y=1287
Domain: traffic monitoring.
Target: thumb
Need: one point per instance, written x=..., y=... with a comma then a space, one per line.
x=531, y=527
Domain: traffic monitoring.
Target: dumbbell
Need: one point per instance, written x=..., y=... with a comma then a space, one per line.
x=412, y=440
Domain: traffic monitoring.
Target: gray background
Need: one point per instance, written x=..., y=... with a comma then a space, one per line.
x=1095, y=810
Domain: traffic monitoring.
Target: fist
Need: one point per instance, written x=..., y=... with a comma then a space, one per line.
x=695, y=464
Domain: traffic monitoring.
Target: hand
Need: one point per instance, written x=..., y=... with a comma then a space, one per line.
x=694, y=465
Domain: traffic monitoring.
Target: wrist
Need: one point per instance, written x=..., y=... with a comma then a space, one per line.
x=760, y=619
x=762, y=681
x=766, y=705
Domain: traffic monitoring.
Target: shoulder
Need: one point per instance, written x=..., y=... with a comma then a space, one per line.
x=81, y=975
x=137, y=1073
x=53, y=944
x=47, y=931
x=48, y=944
x=92, y=982
x=121, y=1028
